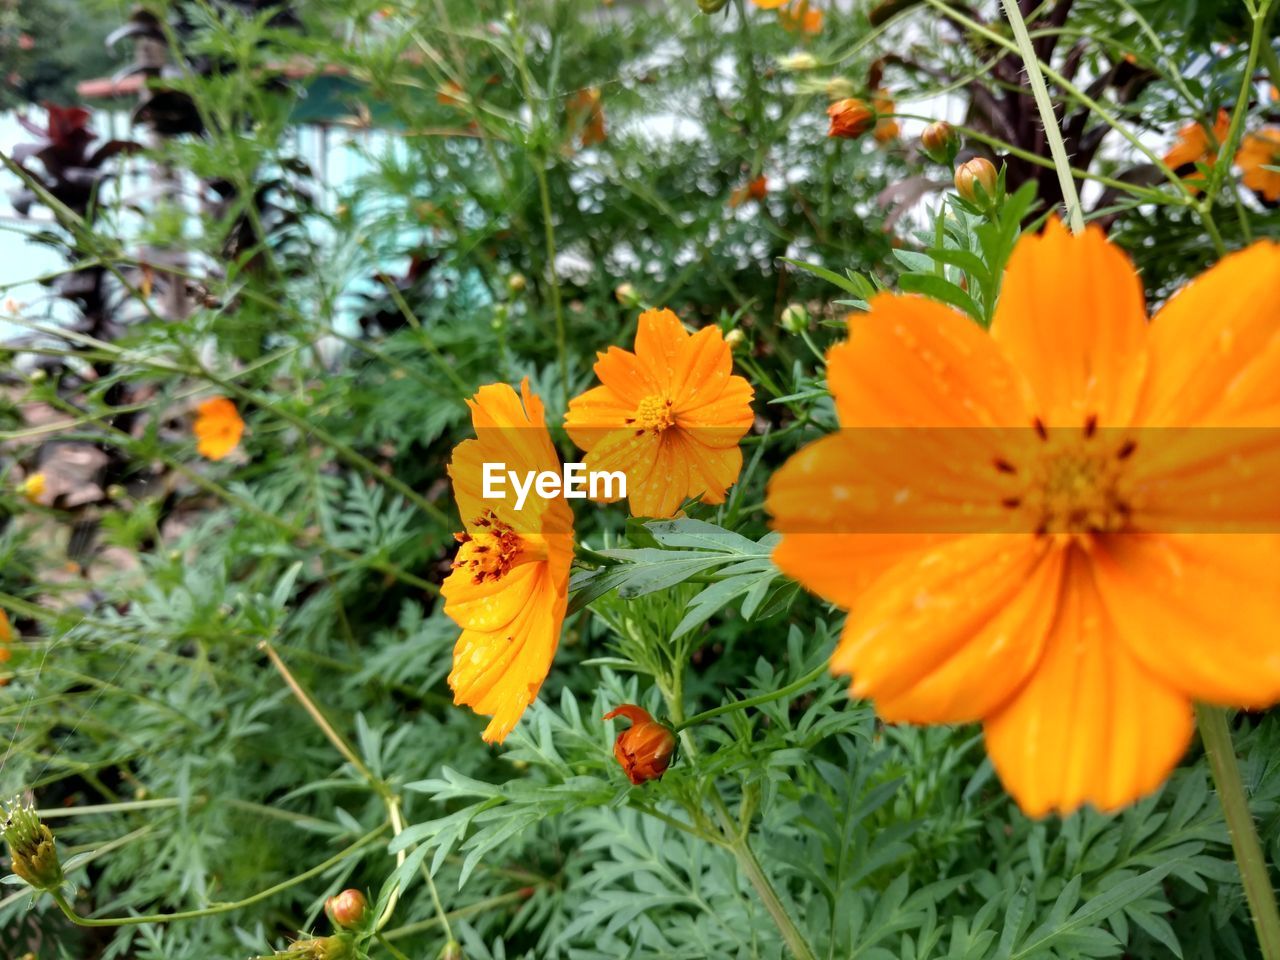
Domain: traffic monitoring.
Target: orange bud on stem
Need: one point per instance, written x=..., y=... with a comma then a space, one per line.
x=850, y=118
x=346, y=909
x=645, y=749
x=973, y=174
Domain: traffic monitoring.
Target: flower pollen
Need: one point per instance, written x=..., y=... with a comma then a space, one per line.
x=490, y=551
x=654, y=414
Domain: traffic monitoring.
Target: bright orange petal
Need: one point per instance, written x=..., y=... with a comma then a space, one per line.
x=1091, y=725
x=1215, y=347
x=1072, y=319
x=660, y=344
x=912, y=362
x=949, y=635
x=1200, y=611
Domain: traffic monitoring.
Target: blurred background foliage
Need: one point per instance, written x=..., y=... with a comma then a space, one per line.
x=346, y=216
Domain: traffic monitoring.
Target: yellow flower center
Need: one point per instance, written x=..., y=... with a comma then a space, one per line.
x=490, y=551
x=1073, y=482
x=654, y=413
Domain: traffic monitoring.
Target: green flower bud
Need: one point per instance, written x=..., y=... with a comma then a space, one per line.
x=451, y=951
x=627, y=295
x=735, y=338
x=712, y=6
x=795, y=318
x=31, y=847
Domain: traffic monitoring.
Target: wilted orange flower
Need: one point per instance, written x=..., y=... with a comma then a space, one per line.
x=644, y=750
x=218, y=428
x=669, y=416
x=799, y=17
x=1194, y=144
x=586, y=116
x=757, y=189
x=886, y=128
x=850, y=118
x=1079, y=628
x=510, y=582
x=1260, y=150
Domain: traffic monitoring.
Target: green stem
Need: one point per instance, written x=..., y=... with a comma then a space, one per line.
x=63, y=904
x=736, y=839
x=755, y=701
x=1048, y=119
x=1216, y=737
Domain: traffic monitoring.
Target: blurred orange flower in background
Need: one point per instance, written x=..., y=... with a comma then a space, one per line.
x=6, y=641
x=799, y=17
x=218, y=428
x=886, y=127
x=669, y=416
x=1258, y=151
x=586, y=116
x=1080, y=639
x=509, y=588
x=1196, y=144
x=757, y=190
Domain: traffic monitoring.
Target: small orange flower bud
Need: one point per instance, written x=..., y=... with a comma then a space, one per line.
x=978, y=172
x=645, y=749
x=939, y=141
x=850, y=118
x=346, y=909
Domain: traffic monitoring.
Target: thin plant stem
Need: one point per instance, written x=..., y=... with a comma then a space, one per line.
x=736, y=839
x=1216, y=736
x=217, y=908
x=1048, y=119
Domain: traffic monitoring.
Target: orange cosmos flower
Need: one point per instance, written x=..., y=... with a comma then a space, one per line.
x=669, y=416
x=1260, y=150
x=1064, y=590
x=510, y=582
x=850, y=118
x=886, y=127
x=799, y=17
x=644, y=750
x=218, y=428
x=586, y=116
x=757, y=190
x=1195, y=144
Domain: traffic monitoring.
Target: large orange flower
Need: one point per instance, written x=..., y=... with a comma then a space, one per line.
x=1259, y=151
x=218, y=428
x=1195, y=144
x=669, y=416
x=1039, y=543
x=509, y=587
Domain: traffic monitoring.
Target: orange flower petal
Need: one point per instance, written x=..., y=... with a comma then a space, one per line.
x=1199, y=611
x=1215, y=347
x=1091, y=724
x=1072, y=319
x=912, y=362
x=949, y=635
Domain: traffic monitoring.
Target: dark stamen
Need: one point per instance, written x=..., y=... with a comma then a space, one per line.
x=1004, y=466
x=1126, y=450
x=1041, y=432
x=1090, y=425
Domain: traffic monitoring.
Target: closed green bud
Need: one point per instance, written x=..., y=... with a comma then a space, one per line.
x=795, y=318
x=31, y=848
x=451, y=951
x=712, y=6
